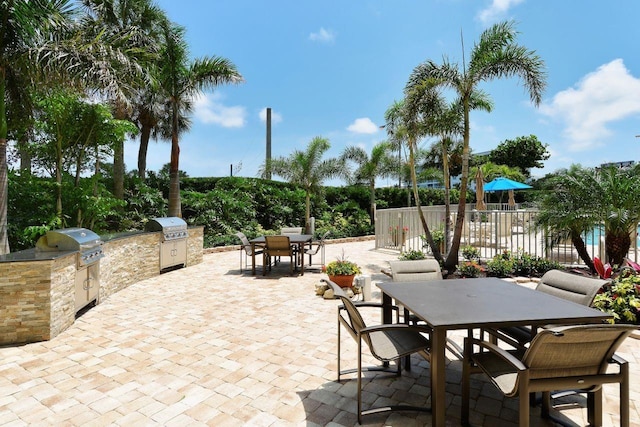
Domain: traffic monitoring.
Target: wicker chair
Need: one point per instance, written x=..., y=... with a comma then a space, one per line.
x=387, y=343
x=561, y=358
x=278, y=246
x=246, y=248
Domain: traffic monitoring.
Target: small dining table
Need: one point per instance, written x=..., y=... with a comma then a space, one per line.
x=459, y=304
x=298, y=240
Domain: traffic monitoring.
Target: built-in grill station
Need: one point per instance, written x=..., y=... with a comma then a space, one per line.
x=88, y=246
x=173, y=247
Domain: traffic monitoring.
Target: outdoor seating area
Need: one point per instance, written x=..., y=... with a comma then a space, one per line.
x=161, y=352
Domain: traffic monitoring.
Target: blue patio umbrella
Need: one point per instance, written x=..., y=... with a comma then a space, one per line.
x=505, y=184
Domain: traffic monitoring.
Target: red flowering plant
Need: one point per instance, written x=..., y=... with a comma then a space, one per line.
x=621, y=296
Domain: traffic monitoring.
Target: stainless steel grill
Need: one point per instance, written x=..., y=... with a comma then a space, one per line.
x=172, y=227
x=86, y=242
x=89, y=251
x=173, y=248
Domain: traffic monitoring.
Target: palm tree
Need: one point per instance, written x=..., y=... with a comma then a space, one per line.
x=380, y=164
x=25, y=34
x=135, y=27
x=181, y=80
x=496, y=55
x=582, y=199
x=308, y=170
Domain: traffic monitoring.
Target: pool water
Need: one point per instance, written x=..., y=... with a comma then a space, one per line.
x=593, y=238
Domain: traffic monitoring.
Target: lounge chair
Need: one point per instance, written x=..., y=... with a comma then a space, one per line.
x=562, y=358
x=387, y=343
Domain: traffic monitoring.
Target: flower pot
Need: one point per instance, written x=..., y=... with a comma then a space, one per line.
x=343, y=281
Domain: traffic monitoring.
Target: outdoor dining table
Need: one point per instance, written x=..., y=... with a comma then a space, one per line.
x=298, y=240
x=459, y=304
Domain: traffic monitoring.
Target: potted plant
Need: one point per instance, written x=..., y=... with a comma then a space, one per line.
x=342, y=271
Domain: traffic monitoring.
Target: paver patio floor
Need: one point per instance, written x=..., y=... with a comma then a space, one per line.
x=207, y=345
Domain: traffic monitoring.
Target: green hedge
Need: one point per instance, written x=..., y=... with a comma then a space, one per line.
x=222, y=205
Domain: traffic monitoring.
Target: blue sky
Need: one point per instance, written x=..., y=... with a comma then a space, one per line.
x=331, y=68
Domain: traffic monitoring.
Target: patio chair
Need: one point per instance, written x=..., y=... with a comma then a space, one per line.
x=572, y=287
x=290, y=230
x=317, y=246
x=416, y=270
x=246, y=248
x=562, y=358
x=387, y=343
x=278, y=246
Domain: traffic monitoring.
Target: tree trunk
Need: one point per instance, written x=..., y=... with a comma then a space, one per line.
x=580, y=246
x=617, y=246
x=4, y=178
x=451, y=262
x=435, y=249
x=447, y=197
x=175, y=208
x=372, y=202
x=118, y=170
x=25, y=155
x=307, y=211
x=145, y=134
x=4, y=189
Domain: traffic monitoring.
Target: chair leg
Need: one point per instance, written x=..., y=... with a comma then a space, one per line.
x=594, y=407
x=523, y=396
x=339, y=368
x=466, y=393
x=546, y=403
x=359, y=380
x=624, y=395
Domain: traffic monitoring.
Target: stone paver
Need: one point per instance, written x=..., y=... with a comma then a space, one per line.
x=207, y=345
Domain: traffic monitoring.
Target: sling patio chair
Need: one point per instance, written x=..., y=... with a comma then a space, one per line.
x=387, y=343
x=246, y=248
x=278, y=246
x=573, y=287
x=317, y=246
x=561, y=358
x=290, y=230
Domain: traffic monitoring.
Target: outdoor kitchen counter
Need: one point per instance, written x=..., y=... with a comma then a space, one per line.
x=33, y=255
x=37, y=287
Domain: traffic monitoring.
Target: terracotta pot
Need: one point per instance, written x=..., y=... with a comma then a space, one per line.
x=343, y=281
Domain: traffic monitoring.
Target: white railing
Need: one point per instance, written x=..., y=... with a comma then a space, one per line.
x=492, y=231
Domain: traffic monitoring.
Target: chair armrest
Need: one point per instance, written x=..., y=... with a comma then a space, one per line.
x=387, y=272
x=499, y=352
x=395, y=326
x=617, y=360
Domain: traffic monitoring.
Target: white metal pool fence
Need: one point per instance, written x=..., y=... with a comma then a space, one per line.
x=497, y=229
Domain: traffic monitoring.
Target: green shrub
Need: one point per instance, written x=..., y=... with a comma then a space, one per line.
x=500, y=266
x=470, y=269
x=621, y=298
x=470, y=253
x=411, y=255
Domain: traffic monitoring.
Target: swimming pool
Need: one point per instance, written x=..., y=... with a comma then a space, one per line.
x=593, y=237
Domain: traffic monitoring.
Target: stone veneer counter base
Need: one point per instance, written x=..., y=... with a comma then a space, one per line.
x=37, y=289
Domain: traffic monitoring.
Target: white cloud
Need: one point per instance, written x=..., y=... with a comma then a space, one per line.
x=606, y=95
x=275, y=117
x=363, y=125
x=496, y=10
x=209, y=109
x=323, y=35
